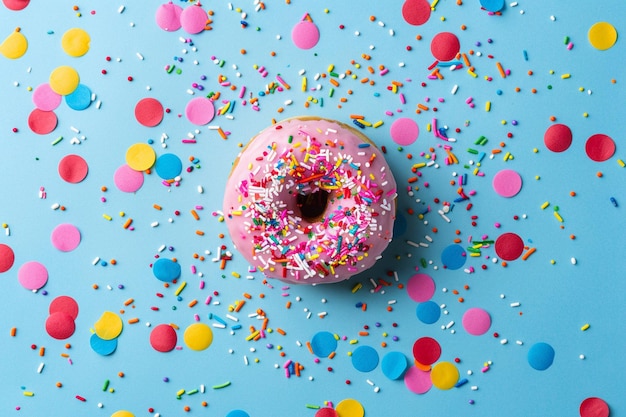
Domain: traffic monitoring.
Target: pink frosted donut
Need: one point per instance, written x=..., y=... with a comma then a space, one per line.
x=310, y=200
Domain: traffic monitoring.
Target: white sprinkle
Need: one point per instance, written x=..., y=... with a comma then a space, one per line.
x=519, y=342
x=139, y=56
x=582, y=356
x=573, y=261
x=41, y=365
x=154, y=224
x=504, y=341
x=515, y=304
x=96, y=260
x=121, y=9
x=474, y=387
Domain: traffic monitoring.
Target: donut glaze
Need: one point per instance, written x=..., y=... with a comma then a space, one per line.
x=310, y=201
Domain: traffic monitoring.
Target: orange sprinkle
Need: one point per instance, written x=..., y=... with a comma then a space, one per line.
x=192, y=303
x=199, y=232
x=552, y=118
x=13, y=331
x=364, y=334
x=42, y=351
x=332, y=355
x=572, y=193
x=288, y=305
x=156, y=206
x=528, y=253
x=599, y=174
x=133, y=320
x=248, y=296
x=308, y=345
x=461, y=299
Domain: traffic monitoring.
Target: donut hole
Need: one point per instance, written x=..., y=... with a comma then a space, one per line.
x=312, y=205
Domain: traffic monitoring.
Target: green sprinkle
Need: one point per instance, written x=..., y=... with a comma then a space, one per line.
x=331, y=92
x=220, y=386
x=333, y=74
x=170, y=69
x=312, y=406
x=106, y=385
x=57, y=140
x=193, y=391
x=474, y=151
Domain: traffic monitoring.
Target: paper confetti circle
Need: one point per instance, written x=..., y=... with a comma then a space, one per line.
x=404, y=131
x=507, y=183
x=73, y=169
x=193, y=19
x=558, y=137
x=60, y=325
x=163, y=338
x=444, y=375
x=168, y=166
x=64, y=304
x=323, y=344
x=200, y=111
x=42, y=122
x=16, y=4
x=599, y=147
x=140, y=156
x=453, y=257
x=14, y=46
x=64, y=80
x=7, y=257
x=102, y=347
x=444, y=46
x=305, y=34
x=32, y=275
x=149, y=112
x=594, y=407
x=492, y=5
x=166, y=270
x=326, y=412
x=75, y=42
x=476, y=321
x=109, y=326
x=168, y=17
x=428, y=312
x=417, y=381
x=45, y=99
x=426, y=350
x=602, y=35
x=350, y=408
x=198, y=336
x=127, y=179
x=420, y=287
x=540, y=356
x=394, y=365
x=65, y=237
x=122, y=413
x=80, y=98
x=416, y=12
x=365, y=358
x=509, y=246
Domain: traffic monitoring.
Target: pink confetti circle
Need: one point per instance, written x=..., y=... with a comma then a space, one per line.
x=404, y=131
x=416, y=12
x=200, y=111
x=509, y=246
x=193, y=19
x=558, y=137
x=65, y=237
x=7, y=257
x=417, y=381
x=476, y=321
x=507, y=183
x=32, y=275
x=420, y=287
x=149, y=112
x=305, y=34
x=445, y=46
x=127, y=179
x=168, y=17
x=599, y=147
x=42, y=122
x=73, y=169
x=45, y=99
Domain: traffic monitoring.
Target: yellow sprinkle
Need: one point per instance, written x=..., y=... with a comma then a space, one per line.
x=377, y=124
x=180, y=288
x=180, y=392
x=621, y=163
x=472, y=73
x=107, y=217
x=357, y=287
x=544, y=205
x=488, y=106
x=558, y=216
x=253, y=335
x=564, y=76
x=236, y=274
x=585, y=327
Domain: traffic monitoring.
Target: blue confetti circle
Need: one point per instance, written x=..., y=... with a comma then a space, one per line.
x=540, y=356
x=428, y=312
x=101, y=346
x=80, y=98
x=492, y=5
x=365, y=359
x=394, y=365
x=453, y=257
x=168, y=166
x=323, y=344
x=166, y=270
x=237, y=413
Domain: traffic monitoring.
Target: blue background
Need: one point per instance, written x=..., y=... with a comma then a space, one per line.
x=556, y=298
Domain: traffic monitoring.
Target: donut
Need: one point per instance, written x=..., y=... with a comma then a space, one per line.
x=310, y=200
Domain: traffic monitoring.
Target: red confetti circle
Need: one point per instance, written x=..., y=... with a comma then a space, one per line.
x=7, y=257
x=558, y=138
x=73, y=169
x=426, y=350
x=148, y=111
x=599, y=147
x=445, y=46
x=509, y=246
x=416, y=12
x=594, y=407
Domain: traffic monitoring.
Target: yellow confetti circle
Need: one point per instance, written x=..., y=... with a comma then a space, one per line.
x=602, y=35
x=140, y=156
x=109, y=326
x=64, y=80
x=198, y=336
x=75, y=42
x=444, y=375
x=14, y=46
x=349, y=408
x=122, y=413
